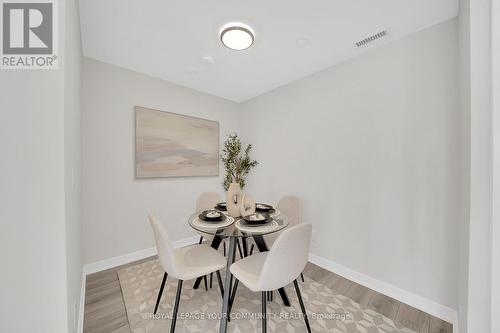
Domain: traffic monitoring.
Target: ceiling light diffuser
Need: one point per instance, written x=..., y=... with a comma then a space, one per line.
x=237, y=36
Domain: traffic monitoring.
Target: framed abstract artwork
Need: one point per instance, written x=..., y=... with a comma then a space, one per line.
x=174, y=145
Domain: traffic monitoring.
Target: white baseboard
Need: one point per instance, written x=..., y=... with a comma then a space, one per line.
x=133, y=256
x=81, y=306
x=118, y=261
x=433, y=308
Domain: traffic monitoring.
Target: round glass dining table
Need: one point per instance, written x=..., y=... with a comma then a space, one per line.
x=237, y=229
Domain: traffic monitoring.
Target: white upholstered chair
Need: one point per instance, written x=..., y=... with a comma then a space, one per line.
x=183, y=264
x=274, y=269
x=207, y=200
x=290, y=206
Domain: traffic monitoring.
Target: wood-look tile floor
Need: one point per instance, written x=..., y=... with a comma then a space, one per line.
x=105, y=309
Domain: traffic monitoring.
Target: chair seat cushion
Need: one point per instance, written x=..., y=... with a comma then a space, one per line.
x=247, y=270
x=198, y=260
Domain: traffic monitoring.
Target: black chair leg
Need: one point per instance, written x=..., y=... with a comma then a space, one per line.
x=201, y=240
x=232, y=297
x=206, y=283
x=239, y=248
x=219, y=279
x=176, y=306
x=161, y=291
x=224, y=249
x=251, y=249
x=229, y=290
x=303, y=308
x=211, y=276
x=264, y=324
x=302, y=276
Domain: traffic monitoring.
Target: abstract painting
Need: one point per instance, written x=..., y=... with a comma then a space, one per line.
x=175, y=145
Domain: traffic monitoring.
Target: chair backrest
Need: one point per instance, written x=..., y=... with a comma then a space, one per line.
x=164, y=246
x=287, y=257
x=207, y=200
x=292, y=207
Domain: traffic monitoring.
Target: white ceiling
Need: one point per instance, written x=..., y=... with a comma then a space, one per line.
x=168, y=39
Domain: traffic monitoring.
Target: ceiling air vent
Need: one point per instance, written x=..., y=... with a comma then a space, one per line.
x=372, y=38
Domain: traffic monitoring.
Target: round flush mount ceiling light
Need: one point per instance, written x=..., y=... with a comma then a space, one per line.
x=237, y=36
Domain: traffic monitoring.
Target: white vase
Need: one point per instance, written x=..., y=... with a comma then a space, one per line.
x=233, y=199
x=247, y=205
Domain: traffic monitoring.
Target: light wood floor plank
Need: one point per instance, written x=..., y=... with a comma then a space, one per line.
x=113, y=302
x=104, y=292
x=437, y=325
x=413, y=318
x=108, y=324
x=123, y=329
x=360, y=294
x=100, y=280
x=384, y=305
x=338, y=284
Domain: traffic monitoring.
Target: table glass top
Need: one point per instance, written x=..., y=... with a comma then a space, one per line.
x=236, y=227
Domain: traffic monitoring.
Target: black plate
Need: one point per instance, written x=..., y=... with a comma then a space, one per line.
x=248, y=221
x=221, y=206
x=251, y=224
x=203, y=216
x=263, y=208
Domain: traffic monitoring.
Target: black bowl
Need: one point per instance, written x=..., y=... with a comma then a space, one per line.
x=212, y=216
x=260, y=207
x=221, y=206
x=253, y=219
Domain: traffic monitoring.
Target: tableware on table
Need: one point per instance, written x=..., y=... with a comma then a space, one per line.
x=261, y=207
x=212, y=215
x=212, y=225
x=221, y=206
x=256, y=218
x=268, y=227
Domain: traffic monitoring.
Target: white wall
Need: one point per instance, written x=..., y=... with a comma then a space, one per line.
x=372, y=147
x=32, y=196
x=479, y=275
x=72, y=63
x=114, y=204
x=495, y=234
x=40, y=241
x=463, y=252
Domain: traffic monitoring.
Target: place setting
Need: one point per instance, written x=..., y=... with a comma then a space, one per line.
x=256, y=223
x=255, y=217
x=265, y=208
x=212, y=219
x=221, y=206
x=259, y=208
